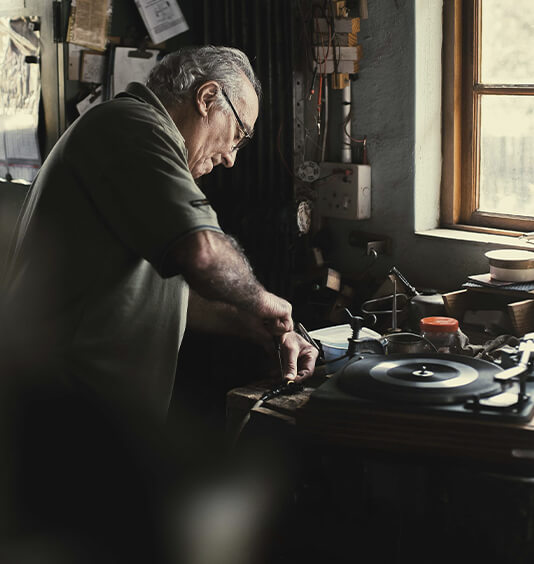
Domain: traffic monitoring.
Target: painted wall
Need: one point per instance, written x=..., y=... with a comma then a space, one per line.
x=396, y=103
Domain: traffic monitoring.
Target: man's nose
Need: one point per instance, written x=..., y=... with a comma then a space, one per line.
x=228, y=158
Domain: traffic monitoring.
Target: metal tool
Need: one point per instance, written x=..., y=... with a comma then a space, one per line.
x=306, y=336
x=277, y=347
x=372, y=306
x=394, y=303
x=398, y=274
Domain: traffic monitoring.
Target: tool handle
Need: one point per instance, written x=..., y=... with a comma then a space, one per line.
x=394, y=270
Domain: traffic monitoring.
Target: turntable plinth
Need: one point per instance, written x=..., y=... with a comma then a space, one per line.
x=437, y=435
x=326, y=414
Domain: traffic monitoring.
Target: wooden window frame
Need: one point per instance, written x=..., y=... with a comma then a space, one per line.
x=461, y=125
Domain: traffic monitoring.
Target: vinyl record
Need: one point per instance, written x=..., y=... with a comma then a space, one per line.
x=421, y=379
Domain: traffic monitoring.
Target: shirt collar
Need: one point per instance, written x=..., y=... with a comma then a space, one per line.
x=144, y=94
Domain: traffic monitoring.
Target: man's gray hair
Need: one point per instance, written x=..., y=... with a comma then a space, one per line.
x=177, y=77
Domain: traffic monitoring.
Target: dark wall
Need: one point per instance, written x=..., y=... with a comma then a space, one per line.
x=255, y=199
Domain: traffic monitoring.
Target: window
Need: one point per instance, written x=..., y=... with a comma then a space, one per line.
x=488, y=115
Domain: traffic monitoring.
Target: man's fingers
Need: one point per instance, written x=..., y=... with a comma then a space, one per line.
x=299, y=357
x=306, y=364
x=278, y=326
x=291, y=360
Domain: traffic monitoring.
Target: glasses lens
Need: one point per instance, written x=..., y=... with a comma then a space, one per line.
x=242, y=142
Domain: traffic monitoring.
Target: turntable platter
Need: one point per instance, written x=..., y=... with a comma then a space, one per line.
x=427, y=379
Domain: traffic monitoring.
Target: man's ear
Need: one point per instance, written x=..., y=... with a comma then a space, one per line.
x=206, y=95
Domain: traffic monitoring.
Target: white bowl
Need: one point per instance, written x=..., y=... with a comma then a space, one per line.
x=334, y=340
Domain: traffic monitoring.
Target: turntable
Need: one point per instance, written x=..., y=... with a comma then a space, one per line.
x=442, y=404
x=442, y=383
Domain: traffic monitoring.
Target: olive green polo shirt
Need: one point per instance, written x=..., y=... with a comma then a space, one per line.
x=89, y=301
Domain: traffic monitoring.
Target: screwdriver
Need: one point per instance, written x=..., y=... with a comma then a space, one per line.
x=277, y=348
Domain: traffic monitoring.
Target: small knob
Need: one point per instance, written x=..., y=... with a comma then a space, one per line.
x=355, y=322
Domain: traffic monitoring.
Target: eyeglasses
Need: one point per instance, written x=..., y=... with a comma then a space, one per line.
x=246, y=135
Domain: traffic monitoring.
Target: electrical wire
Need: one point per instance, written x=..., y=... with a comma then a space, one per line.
x=307, y=41
x=287, y=388
x=279, y=148
x=325, y=127
x=319, y=103
x=363, y=141
x=345, y=124
x=330, y=17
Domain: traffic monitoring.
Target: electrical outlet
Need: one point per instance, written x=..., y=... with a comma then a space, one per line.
x=344, y=191
x=373, y=243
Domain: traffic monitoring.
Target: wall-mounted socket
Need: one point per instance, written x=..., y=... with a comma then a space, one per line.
x=371, y=242
x=344, y=191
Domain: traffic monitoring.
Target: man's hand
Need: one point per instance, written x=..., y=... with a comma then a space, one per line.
x=298, y=357
x=275, y=312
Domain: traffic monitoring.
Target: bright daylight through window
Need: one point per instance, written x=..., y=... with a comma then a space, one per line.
x=506, y=182
x=488, y=115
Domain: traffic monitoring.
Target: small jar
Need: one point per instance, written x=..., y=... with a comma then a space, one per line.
x=442, y=332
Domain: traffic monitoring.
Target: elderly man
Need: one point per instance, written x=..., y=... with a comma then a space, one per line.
x=116, y=239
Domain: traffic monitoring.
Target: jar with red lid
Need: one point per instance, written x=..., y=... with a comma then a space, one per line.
x=442, y=332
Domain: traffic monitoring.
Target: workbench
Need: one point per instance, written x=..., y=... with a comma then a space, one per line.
x=460, y=439
x=391, y=486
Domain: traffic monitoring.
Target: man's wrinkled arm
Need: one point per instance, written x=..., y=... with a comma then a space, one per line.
x=217, y=270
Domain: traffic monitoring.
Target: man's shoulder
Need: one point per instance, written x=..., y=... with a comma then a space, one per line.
x=128, y=115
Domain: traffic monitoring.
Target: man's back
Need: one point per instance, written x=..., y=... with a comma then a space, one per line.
x=85, y=300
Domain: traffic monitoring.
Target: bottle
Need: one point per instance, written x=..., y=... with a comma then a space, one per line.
x=442, y=332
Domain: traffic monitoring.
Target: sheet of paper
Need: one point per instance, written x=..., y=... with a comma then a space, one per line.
x=20, y=91
x=163, y=18
x=89, y=23
x=20, y=159
x=127, y=68
x=93, y=66
x=89, y=101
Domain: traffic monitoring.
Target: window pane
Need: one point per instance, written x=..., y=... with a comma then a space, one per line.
x=507, y=42
x=507, y=155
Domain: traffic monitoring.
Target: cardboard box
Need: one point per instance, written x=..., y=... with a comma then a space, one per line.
x=519, y=313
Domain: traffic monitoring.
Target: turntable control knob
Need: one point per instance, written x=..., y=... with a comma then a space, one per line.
x=356, y=322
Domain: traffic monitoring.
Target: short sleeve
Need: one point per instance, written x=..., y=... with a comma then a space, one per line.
x=135, y=171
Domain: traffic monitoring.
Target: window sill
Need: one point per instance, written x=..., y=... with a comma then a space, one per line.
x=475, y=237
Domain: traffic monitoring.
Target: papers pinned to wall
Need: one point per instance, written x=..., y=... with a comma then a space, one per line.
x=131, y=65
x=89, y=23
x=89, y=101
x=163, y=19
x=20, y=91
x=92, y=67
